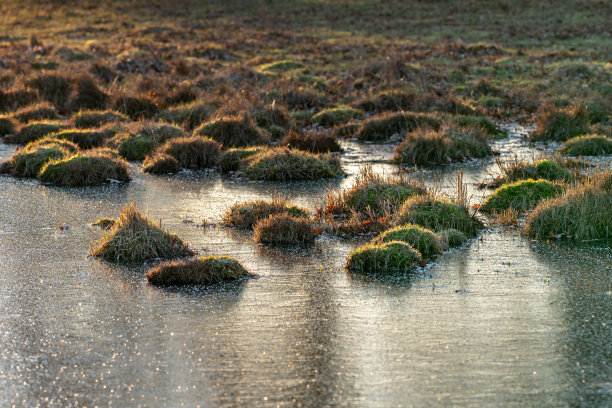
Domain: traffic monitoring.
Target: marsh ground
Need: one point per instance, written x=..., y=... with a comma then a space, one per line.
x=500, y=321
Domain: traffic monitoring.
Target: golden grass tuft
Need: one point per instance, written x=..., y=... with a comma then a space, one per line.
x=198, y=271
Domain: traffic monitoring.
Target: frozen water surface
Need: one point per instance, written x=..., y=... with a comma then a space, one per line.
x=501, y=321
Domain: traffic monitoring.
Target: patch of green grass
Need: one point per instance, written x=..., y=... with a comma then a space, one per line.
x=136, y=144
x=383, y=259
x=85, y=169
x=134, y=238
x=188, y=116
x=582, y=212
x=194, y=152
x=382, y=127
x=561, y=125
x=282, y=164
x=521, y=196
x=161, y=163
x=28, y=162
x=281, y=66
x=422, y=239
x=547, y=169
x=33, y=131
x=199, y=271
x=587, y=145
x=84, y=138
x=437, y=215
x=272, y=116
x=38, y=112
x=284, y=230
x=336, y=116
x=451, y=238
x=232, y=159
x=246, y=215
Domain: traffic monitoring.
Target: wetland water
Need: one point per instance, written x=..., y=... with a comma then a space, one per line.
x=501, y=321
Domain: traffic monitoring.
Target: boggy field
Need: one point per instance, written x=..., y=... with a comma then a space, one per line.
x=376, y=180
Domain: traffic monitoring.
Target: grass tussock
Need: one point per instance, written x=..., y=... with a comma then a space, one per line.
x=426, y=147
x=437, y=215
x=188, y=116
x=38, y=112
x=383, y=259
x=88, y=95
x=93, y=119
x=382, y=127
x=84, y=138
x=137, y=143
x=522, y=195
x=233, y=159
x=134, y=238
x=451, y=238
x=8, y=126
x=28, y=162
x=194, y=152
x=135, y=107
x=314, y=142
x=105, y=223
x=89, y=168
x=161, y=163
x=547, y=169
x=53, y=88
x=284, y=230
x=561, y=124
x=234, y=132
x=583, y=212
x=422, y=239
x=246, y=215
x=33, y=131
x=336, y=116
x=198, y=271
x=587, y=145
x=272, y=116
x=282, y=164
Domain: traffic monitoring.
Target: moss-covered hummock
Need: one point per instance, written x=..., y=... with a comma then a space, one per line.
x=137, y=144
x=383, y=259
x=33, y=131
x=336, y=116
x=281, y=66
x=382, y=127
x=438, y=215
x=38, y=112
x=194, y=152
x=89, y=168
x=198, y=271
x=234, y=132
x=547, y=169
x=28, y=162
x=245, y=215
x=587, y=145
x=451, y=238
x=521, y=196
x=582, y=212
x=94, y=119
x=84, y=138
x=425, y=146
x=422, y=239
x=284, y=230
x=188, y=116
x=282, y=164
x=134, y=238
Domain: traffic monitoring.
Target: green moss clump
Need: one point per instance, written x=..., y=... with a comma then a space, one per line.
x=85, y=169
x=382, y=127
x=546, y=169
x=284, y=230
x=562, y=124
x=134, y=238
x=232, y=159
x=233, y=132
x=336, y=116
x=245, y=215
x=451, y=238
x=282, y=164
x=521, y=196
x=161, y=163
x=136, y=145
x=33, y=131
x=587, y=145
x=438, y=215
x=199, y=271
x=383, y=259
x=422, y=239
x=94, y=119
x=582, y=212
